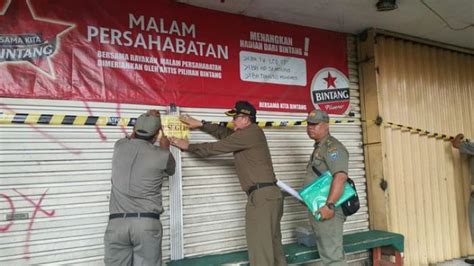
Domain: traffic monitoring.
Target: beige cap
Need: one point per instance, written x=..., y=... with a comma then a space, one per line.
x=147, y=125
x=317, y=116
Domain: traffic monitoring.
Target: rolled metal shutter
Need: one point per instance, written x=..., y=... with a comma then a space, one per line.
x=70, y=165
x=56, y=179
x=429, y=87
x=213, y=203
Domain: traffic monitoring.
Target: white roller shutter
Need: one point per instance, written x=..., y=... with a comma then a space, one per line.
x=213, y=203
x=71, y=166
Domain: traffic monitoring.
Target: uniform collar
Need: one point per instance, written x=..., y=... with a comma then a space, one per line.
x=252, y=125
x=140, y=140
x=319, y=143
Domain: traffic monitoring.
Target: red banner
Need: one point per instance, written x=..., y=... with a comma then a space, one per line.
x=163, y=52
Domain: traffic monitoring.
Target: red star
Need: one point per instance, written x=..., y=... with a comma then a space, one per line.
x=19, y=19
x=330, y=80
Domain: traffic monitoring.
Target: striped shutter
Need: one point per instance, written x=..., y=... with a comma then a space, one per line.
x=213, y=203
x=56, y=180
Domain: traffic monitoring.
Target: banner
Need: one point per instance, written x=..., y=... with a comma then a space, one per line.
x=163, y=52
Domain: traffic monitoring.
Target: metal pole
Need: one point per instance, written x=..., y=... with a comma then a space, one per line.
x=176, y=203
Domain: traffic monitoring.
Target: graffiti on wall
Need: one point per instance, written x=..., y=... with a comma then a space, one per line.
x=37, y=210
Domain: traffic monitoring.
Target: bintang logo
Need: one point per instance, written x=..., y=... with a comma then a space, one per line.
x=330, y=91
x=27, y=39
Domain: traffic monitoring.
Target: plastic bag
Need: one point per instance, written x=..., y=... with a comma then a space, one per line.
x=316, y=193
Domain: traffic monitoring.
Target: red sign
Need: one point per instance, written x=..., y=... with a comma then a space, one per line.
x=159, y=52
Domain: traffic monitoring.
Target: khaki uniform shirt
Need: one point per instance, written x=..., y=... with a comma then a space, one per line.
x=253, y=162
x=328, y=155
x=138, y=169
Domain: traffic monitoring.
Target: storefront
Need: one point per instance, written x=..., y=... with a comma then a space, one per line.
x=76, y=68
x=75, y=75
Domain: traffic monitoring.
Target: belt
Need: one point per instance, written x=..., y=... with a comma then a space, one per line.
x=138, y=215
x=258, y=186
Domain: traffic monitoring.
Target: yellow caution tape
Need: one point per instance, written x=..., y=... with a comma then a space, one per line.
x=77, y=120
x=171, y=124
x=61, y=119
x=173, y=127
x=419, y=131
x=288, y=123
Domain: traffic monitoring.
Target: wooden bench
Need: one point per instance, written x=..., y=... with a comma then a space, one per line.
x=380, y=242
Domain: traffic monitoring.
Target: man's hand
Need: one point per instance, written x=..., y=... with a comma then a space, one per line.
x=183, y=144
x=457, y=140
x=326, y=213
x=190, y=121
x=164, y=141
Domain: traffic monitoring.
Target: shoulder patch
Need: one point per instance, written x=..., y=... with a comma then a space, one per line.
x=334, y=155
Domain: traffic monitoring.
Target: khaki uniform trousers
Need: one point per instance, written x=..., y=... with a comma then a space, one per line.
x=329, y=235
x=133, y=241
x=471, y=216
x=262, y=227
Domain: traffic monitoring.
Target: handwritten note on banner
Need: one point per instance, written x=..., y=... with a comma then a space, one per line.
x=275, y=69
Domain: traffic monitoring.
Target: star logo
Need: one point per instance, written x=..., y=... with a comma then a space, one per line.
x=330, y=80
x=28, y=39
x=327, y=94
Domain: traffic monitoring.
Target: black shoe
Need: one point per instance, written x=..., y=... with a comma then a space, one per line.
x=469, y=261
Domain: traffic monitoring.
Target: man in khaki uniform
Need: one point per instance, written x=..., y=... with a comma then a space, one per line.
x=255, y=171
x=329, y=155
x=467, y=148
x=134, y=232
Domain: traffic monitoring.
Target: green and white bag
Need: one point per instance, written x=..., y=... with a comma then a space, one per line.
x=315, y=194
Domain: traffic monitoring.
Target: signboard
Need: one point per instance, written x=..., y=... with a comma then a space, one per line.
x=173, y=127
x=330, y=91
x=159, y=52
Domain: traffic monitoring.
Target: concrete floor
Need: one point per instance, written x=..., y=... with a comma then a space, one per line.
x=362, y=260
x=456, y=262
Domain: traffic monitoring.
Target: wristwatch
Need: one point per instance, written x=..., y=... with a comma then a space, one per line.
x=330, y=205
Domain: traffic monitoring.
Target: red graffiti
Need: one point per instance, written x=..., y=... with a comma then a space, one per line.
x=97, y=128
x=46, y=135
x=37, y=208
x=12, y=212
